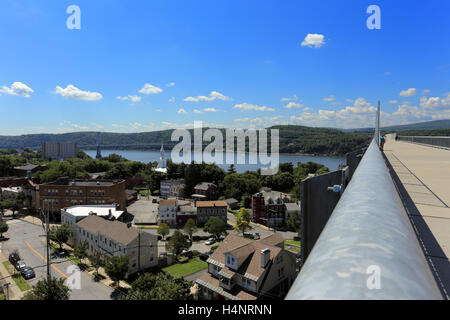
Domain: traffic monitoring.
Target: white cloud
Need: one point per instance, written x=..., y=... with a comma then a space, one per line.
x=18, y=89
x=210, y=109
x=172, y=99
x=171, y=84
x=291, y=105
x=150, y=89
x=132, y=98
x=328, y=99
x=308, y=109
x=293, y=98
x=197, y=111
x=247, y=107
x=313, y=40
x=435, y=103
x=393, y=101
x=408, y=93
x=72, y=92
x=181, y=111
x=212, y=96
x=425, y=91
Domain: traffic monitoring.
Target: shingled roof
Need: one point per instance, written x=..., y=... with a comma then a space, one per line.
x=114, y=230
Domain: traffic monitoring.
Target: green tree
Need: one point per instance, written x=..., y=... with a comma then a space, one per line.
x=177, y=243
x=231, y=169
x=163, y=230
x=117, y=267
x=161, y=286
x=80, y=250
x=246, y=201
x=60, y=234
x=242, y=219
x=52, y=289
x=190, y=228
x=293, y=222
x=96, y=261
x=3, y=228
x=216, y=227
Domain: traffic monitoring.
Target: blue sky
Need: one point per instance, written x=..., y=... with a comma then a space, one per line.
x=147, y=65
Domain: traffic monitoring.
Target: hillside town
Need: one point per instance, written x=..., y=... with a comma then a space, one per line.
x=221, y=248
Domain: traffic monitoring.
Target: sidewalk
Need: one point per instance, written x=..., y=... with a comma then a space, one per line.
x=14, y=292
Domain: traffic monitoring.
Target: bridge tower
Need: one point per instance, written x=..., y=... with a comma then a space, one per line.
x=99, y=150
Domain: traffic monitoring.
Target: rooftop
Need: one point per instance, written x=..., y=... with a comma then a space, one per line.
x=217, y=203
x=99, y=210
x=168, y=202
x=204, y=185
x=114, y=230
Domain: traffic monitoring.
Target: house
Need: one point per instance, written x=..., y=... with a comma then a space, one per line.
x=11, y=192
x=205, y=190
x=244, y=269
x=115, y=238
x=168, y=212
x=209, y=209
x=26, y=169
x=291, y=208
x=186, y=212
x=171, y=188
x=74, y=214
x=232, y=203
x=268, y=208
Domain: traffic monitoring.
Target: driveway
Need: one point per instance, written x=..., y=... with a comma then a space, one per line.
x=29, y=240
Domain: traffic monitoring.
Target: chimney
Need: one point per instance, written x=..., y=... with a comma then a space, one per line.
x=265, y=256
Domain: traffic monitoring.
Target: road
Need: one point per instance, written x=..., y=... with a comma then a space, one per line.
x=28, y=239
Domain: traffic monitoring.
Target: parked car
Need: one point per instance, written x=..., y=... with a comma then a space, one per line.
x=20, y=265
x=203, y=257
x=257, y=236
x=13, y=258
x=154, y=200
x=27, y=273
x=210, y=241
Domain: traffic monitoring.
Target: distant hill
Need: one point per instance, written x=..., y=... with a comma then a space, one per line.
x=426, y=125
x=293, y=139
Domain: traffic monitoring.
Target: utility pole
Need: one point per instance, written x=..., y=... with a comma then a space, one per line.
x=139, y=250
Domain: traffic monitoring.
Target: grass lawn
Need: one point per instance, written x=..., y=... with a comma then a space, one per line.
x=18, y=279
x=295, y=247
x=184, y=269
x=2, y=296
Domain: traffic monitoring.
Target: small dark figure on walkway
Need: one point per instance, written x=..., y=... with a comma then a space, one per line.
x=382, y=140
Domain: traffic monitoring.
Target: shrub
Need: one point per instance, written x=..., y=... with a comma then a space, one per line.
x=214, y=247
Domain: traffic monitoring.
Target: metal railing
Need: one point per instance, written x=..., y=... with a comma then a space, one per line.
x=436, y=141
x=368, y=249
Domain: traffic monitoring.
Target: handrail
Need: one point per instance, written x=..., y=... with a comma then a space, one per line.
x=435, y=141
x=368, y=249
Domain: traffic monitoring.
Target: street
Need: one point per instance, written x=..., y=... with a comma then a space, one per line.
x=29, y=240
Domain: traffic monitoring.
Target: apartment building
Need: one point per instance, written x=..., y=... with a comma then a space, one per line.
x=209, y=209
x=171, y=188
x=244, y=269
x=65, y=192
x=59, y=150
x=114, y=238
x=268, y=208
x=167, y=212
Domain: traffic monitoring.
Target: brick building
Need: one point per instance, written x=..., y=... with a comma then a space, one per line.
x=65, y=192
x=209, y=209
x=205, y=191
x=268, y=208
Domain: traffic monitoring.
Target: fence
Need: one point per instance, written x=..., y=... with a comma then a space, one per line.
x=443, y=142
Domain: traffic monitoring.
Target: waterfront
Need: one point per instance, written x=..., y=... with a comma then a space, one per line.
x=149, y=156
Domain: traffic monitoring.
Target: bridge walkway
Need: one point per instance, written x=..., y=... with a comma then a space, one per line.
x=422, y=177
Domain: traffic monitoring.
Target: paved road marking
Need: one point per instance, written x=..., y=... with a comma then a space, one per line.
x=45, y=260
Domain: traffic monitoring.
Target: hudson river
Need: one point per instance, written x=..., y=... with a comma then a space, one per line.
x=149, y=156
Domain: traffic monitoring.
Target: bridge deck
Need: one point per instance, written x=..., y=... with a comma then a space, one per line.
x=422, y=176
